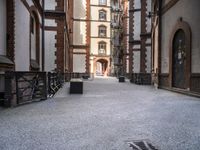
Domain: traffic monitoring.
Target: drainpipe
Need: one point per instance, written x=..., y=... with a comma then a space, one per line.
x=43, y=36
x=159, y=38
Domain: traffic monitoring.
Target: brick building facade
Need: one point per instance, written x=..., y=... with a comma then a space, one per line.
x=90, y=27
x=57, y=35
x=30, y=26
x=140, y=41
x=33, y=36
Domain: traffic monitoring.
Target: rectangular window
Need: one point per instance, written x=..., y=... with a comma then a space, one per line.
x=102, y=15
x=102, y=2
x=102, y=31
x=102, y=48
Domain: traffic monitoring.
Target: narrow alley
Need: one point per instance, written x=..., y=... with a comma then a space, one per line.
x=107, y=116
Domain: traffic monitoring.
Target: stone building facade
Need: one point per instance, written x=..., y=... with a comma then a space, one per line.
x=34, y=30
x=22, y=34
x=90, y=49
x=125, y=23
x=176, y=50
x=56, y=35
x=80, y=36
x=140, y=41
x=33, y=36
x=100, y=49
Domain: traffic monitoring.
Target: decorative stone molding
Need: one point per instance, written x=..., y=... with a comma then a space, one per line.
x=187, y=30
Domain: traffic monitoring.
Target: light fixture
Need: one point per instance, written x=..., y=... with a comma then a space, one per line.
x=152, y=14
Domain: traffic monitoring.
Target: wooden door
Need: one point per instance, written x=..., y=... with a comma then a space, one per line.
x=179, y=63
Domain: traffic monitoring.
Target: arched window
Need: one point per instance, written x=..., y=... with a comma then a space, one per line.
x=102, y=31
x=102, y=2
x=102, y=48
x=35, y=40
x=102, y=15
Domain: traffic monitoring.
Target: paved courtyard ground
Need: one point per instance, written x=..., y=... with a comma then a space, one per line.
x=105, y=117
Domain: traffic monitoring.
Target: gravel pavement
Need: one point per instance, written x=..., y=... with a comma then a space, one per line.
x=105, y=117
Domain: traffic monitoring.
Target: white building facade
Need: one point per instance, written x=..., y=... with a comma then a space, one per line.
x=100, y=48
x=91, y=37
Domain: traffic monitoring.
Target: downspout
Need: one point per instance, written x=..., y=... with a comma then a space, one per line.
x=159, y=38
x=43, y=36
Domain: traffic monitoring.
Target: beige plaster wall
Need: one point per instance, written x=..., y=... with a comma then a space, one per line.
x=189, y=11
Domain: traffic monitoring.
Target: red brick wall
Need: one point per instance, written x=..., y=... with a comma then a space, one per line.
x=60, y=47
x=88, y=36
x=70, y=31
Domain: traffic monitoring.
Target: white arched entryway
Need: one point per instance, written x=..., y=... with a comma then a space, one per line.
x=101, y=67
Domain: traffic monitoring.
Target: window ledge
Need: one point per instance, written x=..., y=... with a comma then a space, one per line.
x=6, y=61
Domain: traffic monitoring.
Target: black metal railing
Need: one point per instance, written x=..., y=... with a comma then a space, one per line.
x=2, y=88
x=55, y=82
x=141, y=78
x=25, y=87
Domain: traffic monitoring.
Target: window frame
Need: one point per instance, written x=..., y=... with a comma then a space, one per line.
x=103, y=2
x=32, y=24
x=99, y=30
x=105, y=13
x=104, y=45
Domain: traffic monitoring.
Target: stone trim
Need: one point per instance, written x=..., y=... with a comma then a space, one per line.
x=34, y=13
x=79, y=53
x=26, y=5
x=70, y=23
x=60, y=46
x=99, y=37
x=164, y=80
x=143, y=38
x=38, y=6
x=125, y=37
x=195, y=83
x=101, y=6
x=168, y=6
x=188, y=38
x=131, y=31
x=80, y=46
x=88, y=27
x=50, y=28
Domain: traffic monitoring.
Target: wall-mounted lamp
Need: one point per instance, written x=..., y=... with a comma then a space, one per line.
x=152, y=14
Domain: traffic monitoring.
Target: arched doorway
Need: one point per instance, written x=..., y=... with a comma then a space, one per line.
x=180, y=56
x=178, y=60
x=101, y=67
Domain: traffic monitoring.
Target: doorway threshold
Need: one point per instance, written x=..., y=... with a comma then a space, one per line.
x=182, y=91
